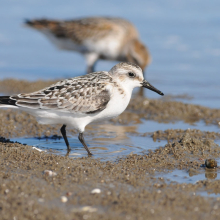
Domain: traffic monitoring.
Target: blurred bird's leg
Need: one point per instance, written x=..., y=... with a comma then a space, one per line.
x=141, y=92
x=141, y=89
x=90, y=69
x=91, y=59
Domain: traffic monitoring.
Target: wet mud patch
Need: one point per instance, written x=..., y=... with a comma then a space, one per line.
x=172, y=135
x=184, y=150
x=14, y=86
x=171, y=111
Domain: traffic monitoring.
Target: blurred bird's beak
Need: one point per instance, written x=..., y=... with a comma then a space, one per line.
x=147, y=85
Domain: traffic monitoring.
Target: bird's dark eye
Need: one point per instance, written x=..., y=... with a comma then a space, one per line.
x=130, y=74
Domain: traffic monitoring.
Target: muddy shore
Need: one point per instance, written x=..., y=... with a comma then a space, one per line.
x=132, y=187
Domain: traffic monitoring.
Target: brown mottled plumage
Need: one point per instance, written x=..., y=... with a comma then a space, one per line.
x=84, y=94
x=96, y=38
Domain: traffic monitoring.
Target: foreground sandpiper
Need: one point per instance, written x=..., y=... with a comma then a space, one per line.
x=96, y=38
x=81, y=100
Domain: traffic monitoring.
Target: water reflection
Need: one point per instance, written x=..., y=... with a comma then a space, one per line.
x=107, y=141
x=191, y=176
x=211, y=173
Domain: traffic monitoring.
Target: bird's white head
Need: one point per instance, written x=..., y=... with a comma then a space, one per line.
x=130, y=76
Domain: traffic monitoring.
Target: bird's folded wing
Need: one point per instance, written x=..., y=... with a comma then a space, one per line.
x=81, y=30
x=79, y=97
x=76, y=30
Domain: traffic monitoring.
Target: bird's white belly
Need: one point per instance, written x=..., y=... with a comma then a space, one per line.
x=107, y=47
x=77, y=121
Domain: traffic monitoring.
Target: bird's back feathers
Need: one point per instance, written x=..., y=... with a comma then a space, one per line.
x=85, y=94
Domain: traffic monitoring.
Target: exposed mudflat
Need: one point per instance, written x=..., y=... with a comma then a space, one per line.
x=130, y=187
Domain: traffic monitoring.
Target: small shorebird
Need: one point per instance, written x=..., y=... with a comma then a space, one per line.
x=81, y=100
x=96, y=38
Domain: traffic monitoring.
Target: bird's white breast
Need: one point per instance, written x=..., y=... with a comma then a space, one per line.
x=108, y=47
x=117, y=104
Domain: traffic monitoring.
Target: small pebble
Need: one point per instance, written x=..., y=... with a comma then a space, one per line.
x=40, y=200
x=88, y=209
x=68, y=194
x=64, y=199
x=94, y=191
x=193, y=172
x=146, y=102
x=6, y=191
x=35, y=148
x=211, y=163
x=49, y=173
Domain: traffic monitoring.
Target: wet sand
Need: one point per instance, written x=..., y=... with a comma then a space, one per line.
x=132, y=187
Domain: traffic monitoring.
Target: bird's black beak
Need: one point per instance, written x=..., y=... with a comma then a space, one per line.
x=147, y=85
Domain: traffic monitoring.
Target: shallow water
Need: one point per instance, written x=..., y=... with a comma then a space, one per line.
x=183, y=176
x=116, y=140
x=151, y=126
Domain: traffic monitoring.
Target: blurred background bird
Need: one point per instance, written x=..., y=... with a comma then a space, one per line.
x=96, y=38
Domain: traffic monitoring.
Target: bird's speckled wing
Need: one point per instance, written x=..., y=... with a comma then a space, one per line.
x=84, y=94
x=80, y=30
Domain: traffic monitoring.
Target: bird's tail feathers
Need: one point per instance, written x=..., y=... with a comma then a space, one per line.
x=6, y=102
x=41, y=23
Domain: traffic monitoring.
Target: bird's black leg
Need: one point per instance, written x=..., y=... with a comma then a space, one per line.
x=63, y=132
x=81, y=138
x=91, y=59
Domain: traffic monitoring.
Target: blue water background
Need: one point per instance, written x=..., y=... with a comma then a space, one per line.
x=183, y=37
